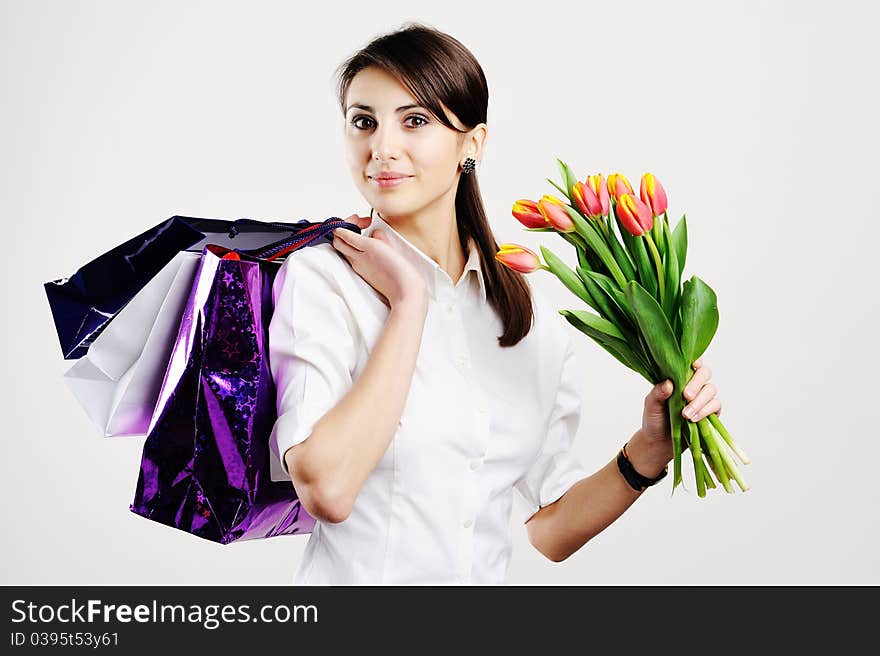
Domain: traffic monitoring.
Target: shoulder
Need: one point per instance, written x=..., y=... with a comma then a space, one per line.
x=321, y=262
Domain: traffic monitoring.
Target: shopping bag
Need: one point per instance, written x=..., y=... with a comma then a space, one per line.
x=205, y=467
x=85, y=303
x=117, y=381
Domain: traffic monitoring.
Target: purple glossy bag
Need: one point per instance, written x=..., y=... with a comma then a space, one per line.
x=205, y=464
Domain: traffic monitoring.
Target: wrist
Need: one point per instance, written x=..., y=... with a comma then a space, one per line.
x=648, y=458
x=415, y=297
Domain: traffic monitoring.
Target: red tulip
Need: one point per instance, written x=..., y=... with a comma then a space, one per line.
x=555, y=214
x=652, y=193
x=634, y=214
x=526, y=212
x=519, y=258
x=592, y=197
x=619, y=185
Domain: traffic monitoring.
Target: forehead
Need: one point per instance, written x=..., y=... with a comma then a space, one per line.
x=379, y=90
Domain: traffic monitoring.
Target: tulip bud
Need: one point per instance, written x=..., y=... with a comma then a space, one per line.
x=592, y=196
x=587, y=200
x=554, y=213
x=652, y=193
x=519, y=258
x=634, y=215
x=597, y=184
x=526, y=212
x=619, y=185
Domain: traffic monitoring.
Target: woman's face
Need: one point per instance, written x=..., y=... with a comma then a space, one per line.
x=410, y=141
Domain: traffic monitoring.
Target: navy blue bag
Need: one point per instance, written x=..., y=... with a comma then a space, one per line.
x=85, y=303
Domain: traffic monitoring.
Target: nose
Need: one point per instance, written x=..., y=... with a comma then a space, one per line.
x=384, y=142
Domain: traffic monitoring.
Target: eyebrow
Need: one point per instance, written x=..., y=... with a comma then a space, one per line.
x=370, y=109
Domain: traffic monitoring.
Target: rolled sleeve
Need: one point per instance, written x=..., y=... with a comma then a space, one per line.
x=556, y=468
x=312, y=351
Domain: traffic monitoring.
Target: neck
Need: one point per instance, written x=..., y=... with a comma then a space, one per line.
x=434, y=231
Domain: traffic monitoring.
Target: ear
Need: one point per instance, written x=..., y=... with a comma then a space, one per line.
x=475, y=141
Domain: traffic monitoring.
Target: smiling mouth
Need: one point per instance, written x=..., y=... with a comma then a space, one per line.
x=387, y=183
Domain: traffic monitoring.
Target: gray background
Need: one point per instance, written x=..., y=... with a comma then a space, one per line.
x=758, y=117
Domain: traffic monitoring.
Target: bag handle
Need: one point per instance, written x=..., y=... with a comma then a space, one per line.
x=306, y=234
x=234, y=230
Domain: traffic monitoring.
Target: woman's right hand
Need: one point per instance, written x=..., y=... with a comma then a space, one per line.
x=379, y=263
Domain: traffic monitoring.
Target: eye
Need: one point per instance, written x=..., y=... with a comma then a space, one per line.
x=355, y=120
x=421, y=118
x=418, y=117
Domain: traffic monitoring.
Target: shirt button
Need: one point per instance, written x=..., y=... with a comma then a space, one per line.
x=475, y=464
x=482, y=409
x=461, y=360
x=467, y=523
x=450, y=308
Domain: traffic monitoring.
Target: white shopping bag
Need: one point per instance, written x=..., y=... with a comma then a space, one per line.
x=118, y=380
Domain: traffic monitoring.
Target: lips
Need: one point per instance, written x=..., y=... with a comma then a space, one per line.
x=390, y=175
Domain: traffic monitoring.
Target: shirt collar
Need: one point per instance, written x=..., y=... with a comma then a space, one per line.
x=429, y=269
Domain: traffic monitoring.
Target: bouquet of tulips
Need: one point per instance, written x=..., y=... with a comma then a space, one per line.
x=645, y=317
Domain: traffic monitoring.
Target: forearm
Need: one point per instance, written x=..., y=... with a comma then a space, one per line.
x=594, y=502
x=348, y=441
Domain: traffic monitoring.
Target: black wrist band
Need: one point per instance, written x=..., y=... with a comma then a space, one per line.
x=635, y=479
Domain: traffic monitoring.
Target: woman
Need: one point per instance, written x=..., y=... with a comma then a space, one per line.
x=419, y=381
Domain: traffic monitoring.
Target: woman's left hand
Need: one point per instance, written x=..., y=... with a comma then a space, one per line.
x=700, y=394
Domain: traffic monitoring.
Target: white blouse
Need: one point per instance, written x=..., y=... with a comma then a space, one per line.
x=479, y=421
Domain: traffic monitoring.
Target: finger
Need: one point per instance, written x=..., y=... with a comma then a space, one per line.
x=348, y=237
x=714, y=405
x=658, y=394
x=340, y=244
x=664, y=389
x=359, y=221
x=698, y=362
x=700, y=378
x=694, y=409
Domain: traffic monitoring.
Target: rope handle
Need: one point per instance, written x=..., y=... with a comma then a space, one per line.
x=306, y=233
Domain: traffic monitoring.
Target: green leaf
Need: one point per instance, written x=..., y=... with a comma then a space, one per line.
x=621, y=256
x=606, y=335
x=672, y=281
x=559, y=188
x=568, y=277
x=596, y=242
x=608, y=307
x=634, y=336
x=568, y=178
x=657, y=332
x=699, y=318
x=595, y=323
x=680, y=244
x=548, y=229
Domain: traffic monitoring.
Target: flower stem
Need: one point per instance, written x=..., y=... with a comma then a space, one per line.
x=714, y=455
x=660, y=274
x=697, y=455
x=716, y=422
x=729, y=462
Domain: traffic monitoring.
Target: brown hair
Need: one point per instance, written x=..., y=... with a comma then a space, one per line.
x=436, y=67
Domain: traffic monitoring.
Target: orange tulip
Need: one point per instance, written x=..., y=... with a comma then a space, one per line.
x=526, y=212
x=519, y=258
x=619, y=185
x=592, y=197
x=652, y=193
x=555, y=214
x=634, y=215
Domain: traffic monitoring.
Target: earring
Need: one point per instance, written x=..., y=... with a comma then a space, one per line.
x=468, y=166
